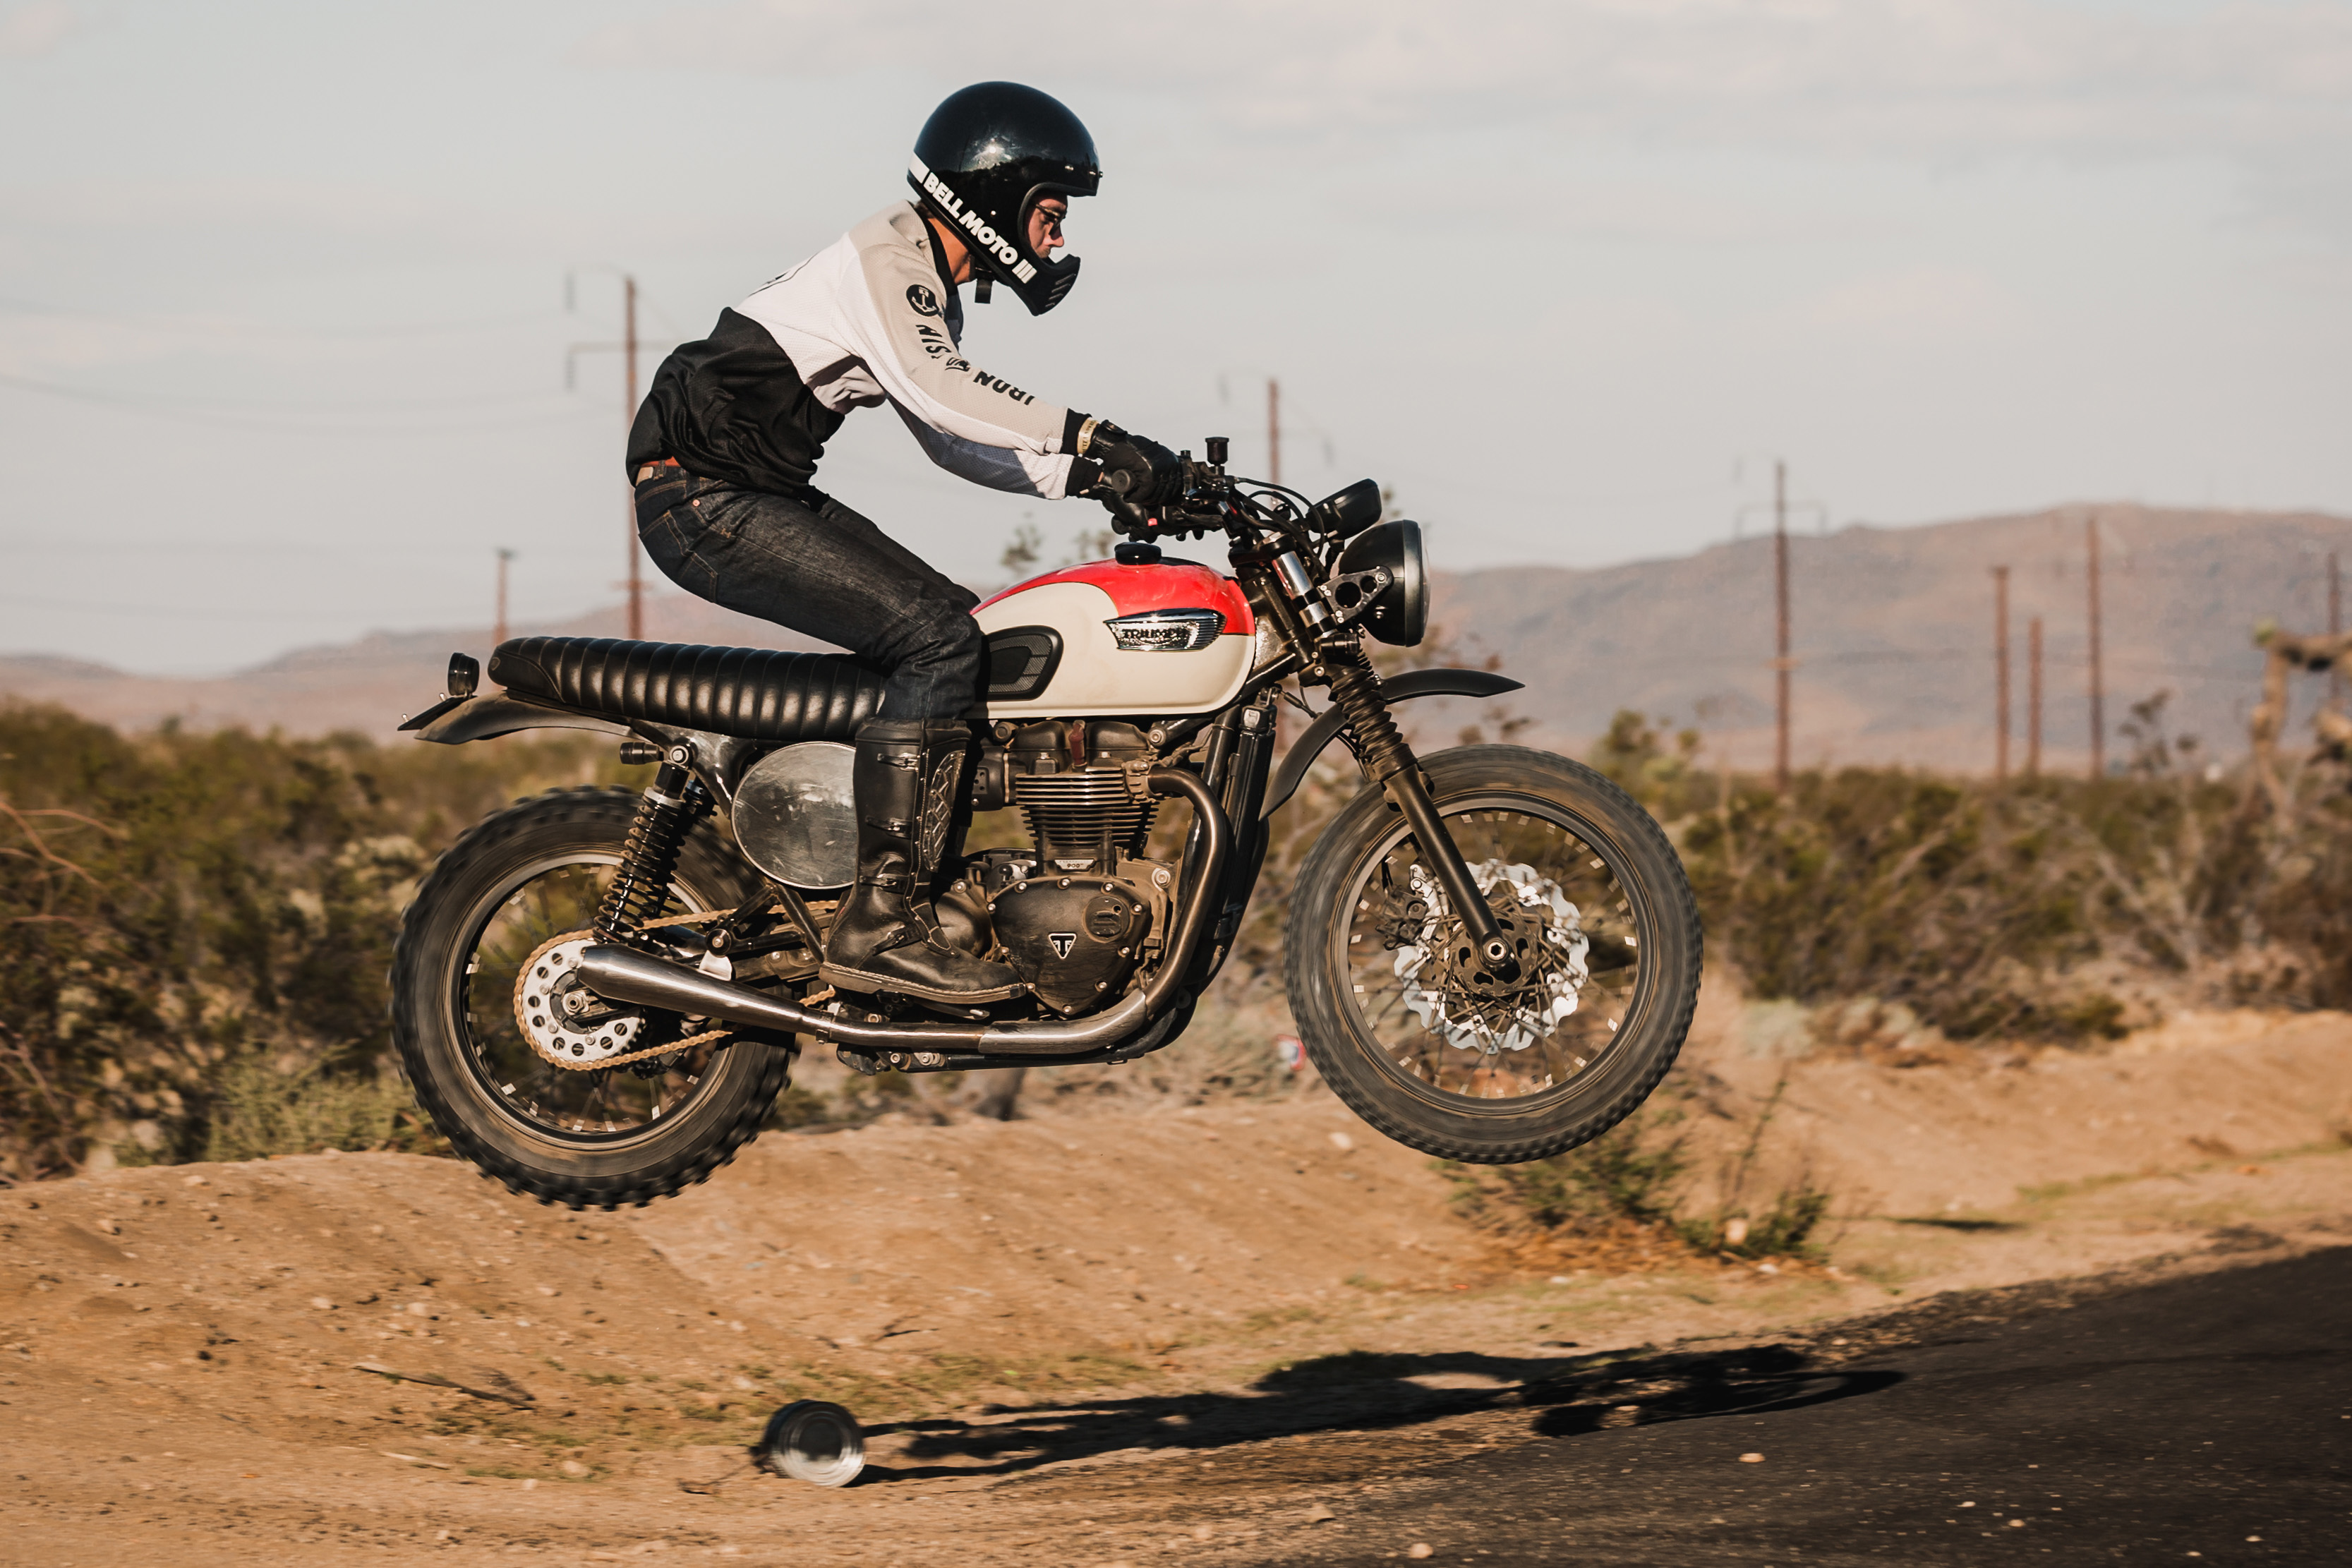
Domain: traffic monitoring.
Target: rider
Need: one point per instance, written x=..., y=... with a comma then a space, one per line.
x=727, y=442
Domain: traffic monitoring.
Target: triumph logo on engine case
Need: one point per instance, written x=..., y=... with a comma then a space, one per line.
x=1062, y=940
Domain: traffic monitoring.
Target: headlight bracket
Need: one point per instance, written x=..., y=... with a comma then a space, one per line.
x=1381, y=567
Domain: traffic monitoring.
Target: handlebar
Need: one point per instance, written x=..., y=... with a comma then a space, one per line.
x=1208, y=498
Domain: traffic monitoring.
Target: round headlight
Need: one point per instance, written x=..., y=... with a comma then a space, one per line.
x=1399, y=613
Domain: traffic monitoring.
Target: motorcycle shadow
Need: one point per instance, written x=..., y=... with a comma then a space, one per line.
x=1365, y=1392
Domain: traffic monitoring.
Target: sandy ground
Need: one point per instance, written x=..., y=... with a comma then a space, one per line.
x=1122, y=1336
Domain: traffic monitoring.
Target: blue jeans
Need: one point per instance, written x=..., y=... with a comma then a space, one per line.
x=818, y=568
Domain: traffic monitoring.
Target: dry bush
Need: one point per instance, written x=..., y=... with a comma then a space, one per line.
x=198, y=930
x=2009, y=911
x=1617, y=1203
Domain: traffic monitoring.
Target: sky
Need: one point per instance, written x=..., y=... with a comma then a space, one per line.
x=307, y=311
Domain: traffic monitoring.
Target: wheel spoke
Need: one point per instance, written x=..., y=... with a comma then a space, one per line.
x=546, y=902
x=1478, y=1038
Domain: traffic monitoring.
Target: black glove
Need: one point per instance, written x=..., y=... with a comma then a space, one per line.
x=1134, y=469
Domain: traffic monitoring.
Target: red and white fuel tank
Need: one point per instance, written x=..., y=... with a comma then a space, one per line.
x=1102, y=638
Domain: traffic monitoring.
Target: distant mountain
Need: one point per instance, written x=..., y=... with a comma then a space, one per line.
x=1892, y=632
x=369, y=685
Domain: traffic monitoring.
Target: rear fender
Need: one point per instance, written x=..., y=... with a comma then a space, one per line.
x=453, y=723
x=1404, y=688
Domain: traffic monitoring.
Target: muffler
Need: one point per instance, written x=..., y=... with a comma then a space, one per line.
x=619, y=975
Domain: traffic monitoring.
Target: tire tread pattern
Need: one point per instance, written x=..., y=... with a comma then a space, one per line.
x=415, y=1004
x=1461, y=771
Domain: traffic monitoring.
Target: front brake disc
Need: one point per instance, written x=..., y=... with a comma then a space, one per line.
x=1451, y=996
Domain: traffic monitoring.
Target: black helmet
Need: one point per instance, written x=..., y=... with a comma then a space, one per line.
x=986, y=157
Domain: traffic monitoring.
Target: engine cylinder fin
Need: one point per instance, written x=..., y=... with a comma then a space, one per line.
x=1087, y=814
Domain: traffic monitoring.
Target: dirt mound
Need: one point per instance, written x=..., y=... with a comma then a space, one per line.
x=1072, y=1297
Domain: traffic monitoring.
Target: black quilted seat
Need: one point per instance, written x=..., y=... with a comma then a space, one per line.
x=754, y=692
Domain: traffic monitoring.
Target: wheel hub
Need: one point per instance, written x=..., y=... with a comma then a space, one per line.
x=1450, y=986
x=564, y=1021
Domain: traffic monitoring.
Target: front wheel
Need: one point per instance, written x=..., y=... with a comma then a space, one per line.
x=1406, y=1023
x=487, y=1013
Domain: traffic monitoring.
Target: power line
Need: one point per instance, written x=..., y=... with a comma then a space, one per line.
x=147, y=612
x=2098, y=686
x=629, y=345
x=201, y=414
x=263, y=328
x=1782, y=665
x=2000, y=672
x=234, y=405
x=1273, y=430
x=2033, y=699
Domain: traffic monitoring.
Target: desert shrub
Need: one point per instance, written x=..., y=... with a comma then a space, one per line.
x=1621, y=1188
x=1986, y=909
x=178, y=907
x=1620, y=1199
x=1630, y=1173
x=260, y=1107
x=1785, y=1229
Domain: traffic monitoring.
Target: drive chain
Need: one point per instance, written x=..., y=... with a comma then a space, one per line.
x=556, y=941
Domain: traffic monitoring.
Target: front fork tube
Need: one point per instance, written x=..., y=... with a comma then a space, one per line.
x=1356, y=691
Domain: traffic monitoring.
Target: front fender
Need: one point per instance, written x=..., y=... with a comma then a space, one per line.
x=1404, y=688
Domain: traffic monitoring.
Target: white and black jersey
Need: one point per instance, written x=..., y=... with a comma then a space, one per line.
x=870, y=319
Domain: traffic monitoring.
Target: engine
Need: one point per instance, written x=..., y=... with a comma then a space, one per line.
x=1078, y=911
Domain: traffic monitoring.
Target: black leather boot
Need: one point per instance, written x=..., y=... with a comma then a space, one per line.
x=958, y=906
x=908, y=774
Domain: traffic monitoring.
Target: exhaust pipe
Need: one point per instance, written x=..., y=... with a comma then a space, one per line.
x=619, y=975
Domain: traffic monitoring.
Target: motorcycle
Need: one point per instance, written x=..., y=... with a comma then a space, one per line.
x=1492, y=953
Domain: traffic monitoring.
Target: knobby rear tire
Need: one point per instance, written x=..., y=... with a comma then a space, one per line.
x=1364, y=1076
x=729, y=1102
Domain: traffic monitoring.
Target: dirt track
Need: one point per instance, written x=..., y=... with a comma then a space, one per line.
x=1077, y=1338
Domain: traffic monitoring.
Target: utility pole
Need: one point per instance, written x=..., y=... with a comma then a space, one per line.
x=629, y=418
x=1273, y=430
x=2033, y=697
x=2000, y=674
x=499, y=634
x=1781, y=666
x=635, y=583
x=2098, y=684
x=2335, y=625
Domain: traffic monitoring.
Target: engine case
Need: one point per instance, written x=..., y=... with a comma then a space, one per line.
x=1075, y=939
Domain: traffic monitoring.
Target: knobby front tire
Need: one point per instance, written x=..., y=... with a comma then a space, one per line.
x=584, y=1140
x=1601, y=896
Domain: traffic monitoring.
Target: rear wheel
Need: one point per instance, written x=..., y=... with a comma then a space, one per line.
x=1410, y=1029
x=496, y=910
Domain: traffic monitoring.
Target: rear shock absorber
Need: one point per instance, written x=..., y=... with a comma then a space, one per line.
x=649, y=859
